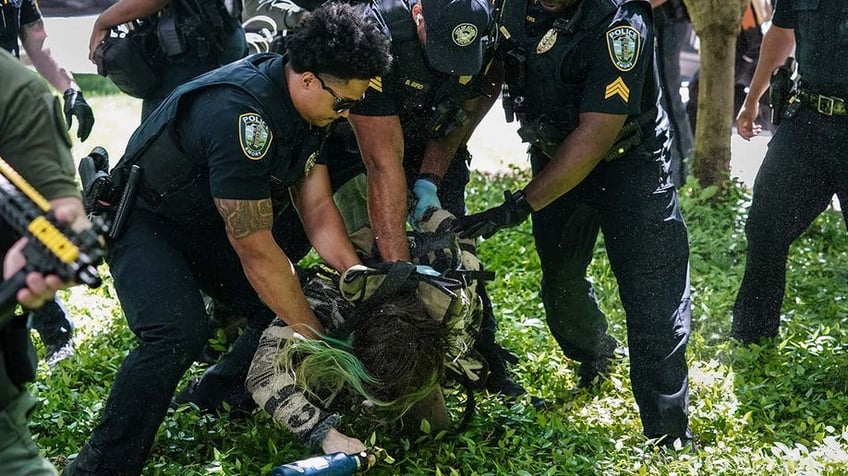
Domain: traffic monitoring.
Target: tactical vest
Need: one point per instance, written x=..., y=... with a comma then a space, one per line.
x=10, y=26
x=171, y=180
x=547, y=108
x=195, y=26
x=424, y=94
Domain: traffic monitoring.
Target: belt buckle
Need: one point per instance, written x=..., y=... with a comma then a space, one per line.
x=827, y=102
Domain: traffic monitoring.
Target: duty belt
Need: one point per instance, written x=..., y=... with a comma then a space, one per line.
x=826, y=105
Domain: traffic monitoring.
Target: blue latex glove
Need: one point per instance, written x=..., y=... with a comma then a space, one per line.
x=426, y=270
x=426, y=198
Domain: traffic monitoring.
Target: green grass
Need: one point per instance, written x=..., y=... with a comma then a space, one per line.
x=779, y=409
x=96, y=85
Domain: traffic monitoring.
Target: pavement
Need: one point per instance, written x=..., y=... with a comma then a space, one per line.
x=67, y=38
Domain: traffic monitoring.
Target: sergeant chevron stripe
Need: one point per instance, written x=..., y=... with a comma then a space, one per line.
x=618, y=88
x=376, y=83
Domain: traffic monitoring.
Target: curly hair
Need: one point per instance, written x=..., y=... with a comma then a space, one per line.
x=394, y=355
x=402, y=347
x=339, y=41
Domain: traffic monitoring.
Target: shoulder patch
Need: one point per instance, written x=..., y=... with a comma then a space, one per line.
x=618, y=88
x=254, y=135
x=376, y=83
x=624, y=44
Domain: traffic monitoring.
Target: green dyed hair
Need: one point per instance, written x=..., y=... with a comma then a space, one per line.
x=394, y=356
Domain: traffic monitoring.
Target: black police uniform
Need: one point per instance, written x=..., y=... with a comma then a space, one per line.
x=206, y=36
x=597, y=57
x=51, y=320
x=427, y=102
x=232, y=134
x=805, y=163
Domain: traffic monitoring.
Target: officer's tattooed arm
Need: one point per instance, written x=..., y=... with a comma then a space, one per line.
x=248, y=224
x=313, y=198
x=380, y=141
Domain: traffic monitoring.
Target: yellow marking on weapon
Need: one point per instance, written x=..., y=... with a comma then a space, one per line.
x=24, y=186
x=617, y=88
x=376, y=83
x=53, y=239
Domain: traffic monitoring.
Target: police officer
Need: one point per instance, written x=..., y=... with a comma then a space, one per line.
x=193, y=36
x=805, y=163
x=421, y=114
x=21, y=20
x=580, y=78
x=210, y=158
x=33, y=140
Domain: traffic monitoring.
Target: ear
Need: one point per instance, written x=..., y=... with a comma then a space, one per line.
x=416, y=12
x=307, y=78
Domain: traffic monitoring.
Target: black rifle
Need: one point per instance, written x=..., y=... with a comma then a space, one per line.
x=52, y=247
x=781, y=89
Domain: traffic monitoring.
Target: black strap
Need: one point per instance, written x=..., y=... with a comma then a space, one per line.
x=470, y=275
x=468, y=412
x=396, y=278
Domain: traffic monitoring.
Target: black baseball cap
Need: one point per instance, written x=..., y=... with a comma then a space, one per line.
x=455, y=29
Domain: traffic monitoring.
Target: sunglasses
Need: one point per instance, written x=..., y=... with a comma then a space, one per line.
x=342, y=103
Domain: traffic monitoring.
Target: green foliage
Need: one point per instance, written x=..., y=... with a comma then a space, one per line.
x=96, y=85
x=780, y=408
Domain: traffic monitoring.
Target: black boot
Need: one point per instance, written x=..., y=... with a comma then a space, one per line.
x=56, y=330
x=89, y=462
x=500, y=380
x=592, y=374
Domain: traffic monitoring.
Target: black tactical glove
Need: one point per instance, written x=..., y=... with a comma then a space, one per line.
x=75, y=105
x=514, y=210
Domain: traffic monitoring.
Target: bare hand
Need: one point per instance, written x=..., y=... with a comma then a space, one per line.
x=745, y=125
x=70, y=210
x=98, y=35
x=38, y=288
x=336, y=441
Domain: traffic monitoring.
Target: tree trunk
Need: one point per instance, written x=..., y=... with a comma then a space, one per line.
x=717, y=23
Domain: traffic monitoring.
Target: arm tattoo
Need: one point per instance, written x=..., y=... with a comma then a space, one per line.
x=243, y=217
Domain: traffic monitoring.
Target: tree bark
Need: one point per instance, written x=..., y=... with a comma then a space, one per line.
x=717, y=23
